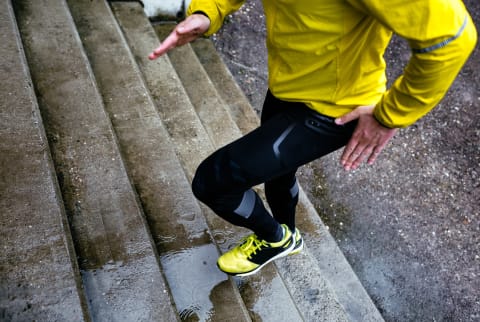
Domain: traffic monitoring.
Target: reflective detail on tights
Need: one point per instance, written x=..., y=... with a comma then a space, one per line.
x=280, y=139
x=294, y=190
x=247, y=204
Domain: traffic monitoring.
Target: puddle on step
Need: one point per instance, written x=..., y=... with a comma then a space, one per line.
x=109, y=290
x=192, y=274
x=227, y=239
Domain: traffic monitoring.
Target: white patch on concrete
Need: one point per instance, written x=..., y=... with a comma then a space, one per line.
x=171, y=8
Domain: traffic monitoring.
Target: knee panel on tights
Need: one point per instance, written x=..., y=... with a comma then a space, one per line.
x=218, y=183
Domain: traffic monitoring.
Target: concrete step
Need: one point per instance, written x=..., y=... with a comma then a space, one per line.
x=187, y=252
x=294, y=270
x=175, y=109
x=237, y=103
x=141, y=43
x=126, y=135
x=208, y=105
x=141, y=51
x=331, y=261
x=39, y=276
x=220, y=127
x=118, y=262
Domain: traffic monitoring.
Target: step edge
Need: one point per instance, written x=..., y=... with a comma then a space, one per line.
x=314, y=214
x=186, y=173
x=114, y=142
x=236, y=131
x=47, y=155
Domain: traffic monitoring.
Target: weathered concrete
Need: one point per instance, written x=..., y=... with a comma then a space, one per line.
x=119, y=266
x=330, y=260
x=208, y=104
x=267, y=280
x=240, y=109
x=39, y=276
x=167, y=92
x=221, y=128
x=152, y=138
x=191, y=141
x=178, y=227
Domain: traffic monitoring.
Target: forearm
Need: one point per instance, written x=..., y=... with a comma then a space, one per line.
x=426, y=79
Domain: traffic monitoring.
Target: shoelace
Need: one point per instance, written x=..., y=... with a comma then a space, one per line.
x=251, y=245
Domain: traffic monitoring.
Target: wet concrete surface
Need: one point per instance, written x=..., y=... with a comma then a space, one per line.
x=115, y=251
x=213, y=295
x=116, y=263
x=38, y=278
x=192, y=302
x=191, y=155
x=125, y=191
x=410, y=224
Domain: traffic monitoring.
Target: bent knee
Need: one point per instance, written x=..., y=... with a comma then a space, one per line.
x=198, y=187
x=216, y=176
x=206, y=182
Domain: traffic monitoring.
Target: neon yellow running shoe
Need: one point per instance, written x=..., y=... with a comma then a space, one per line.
x=298, y=243
x=252, y=254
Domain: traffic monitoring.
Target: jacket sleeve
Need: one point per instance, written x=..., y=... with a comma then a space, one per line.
x=216, y=11
x=441, y=35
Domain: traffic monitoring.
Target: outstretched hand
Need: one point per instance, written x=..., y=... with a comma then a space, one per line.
x=368, y=140
x=188, y=30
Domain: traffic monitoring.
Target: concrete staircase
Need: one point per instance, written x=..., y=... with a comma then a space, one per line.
x=98, y=146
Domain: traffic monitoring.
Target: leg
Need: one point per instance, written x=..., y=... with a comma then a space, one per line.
x=282, y=191
x=290, y=135
x=224, y=180
x=282, y=197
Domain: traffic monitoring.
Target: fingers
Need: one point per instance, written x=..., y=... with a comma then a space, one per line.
x=376, y=151
x=353, y=157
x=169, y=43
x=367, y=142
x=187, y=31
x=354, y=153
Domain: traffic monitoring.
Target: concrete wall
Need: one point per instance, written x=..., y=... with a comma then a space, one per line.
x=166, y=9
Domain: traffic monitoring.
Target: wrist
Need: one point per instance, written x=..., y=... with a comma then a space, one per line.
x=379, y=118
x=199, y=12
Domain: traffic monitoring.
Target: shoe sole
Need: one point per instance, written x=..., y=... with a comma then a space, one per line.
x=280, y=255
x=297, y=250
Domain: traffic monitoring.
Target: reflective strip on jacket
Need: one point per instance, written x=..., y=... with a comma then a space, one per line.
x=329, y=53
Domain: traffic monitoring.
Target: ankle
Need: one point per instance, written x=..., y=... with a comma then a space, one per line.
x=275, y=236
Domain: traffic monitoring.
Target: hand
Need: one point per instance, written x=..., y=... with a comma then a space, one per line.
x=368, y=139
x=186, y=31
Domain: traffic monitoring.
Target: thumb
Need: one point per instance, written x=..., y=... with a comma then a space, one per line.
x=181, y=29
x=350, y=116
x=186, y=26
x=355, y=114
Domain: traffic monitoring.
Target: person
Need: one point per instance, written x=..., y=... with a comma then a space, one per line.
x=327, y=89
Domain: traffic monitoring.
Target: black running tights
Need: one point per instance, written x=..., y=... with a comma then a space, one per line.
x=290, y=136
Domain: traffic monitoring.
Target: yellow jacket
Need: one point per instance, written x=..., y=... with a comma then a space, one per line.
x=329, y=53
